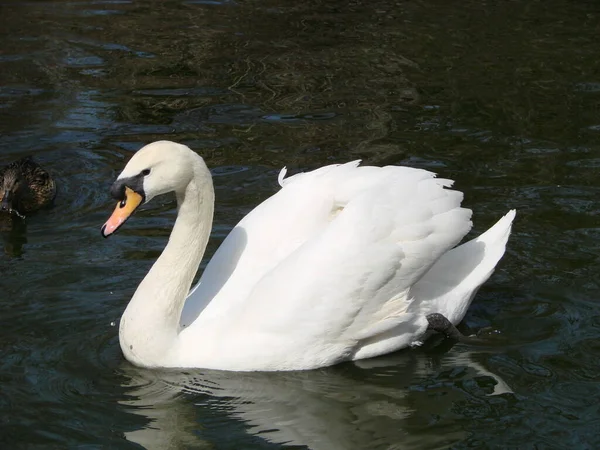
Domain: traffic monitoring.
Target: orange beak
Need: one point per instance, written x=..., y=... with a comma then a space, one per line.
x=124, y=209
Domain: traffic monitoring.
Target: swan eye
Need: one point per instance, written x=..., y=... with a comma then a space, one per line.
x=146, y=172
x=122, y=203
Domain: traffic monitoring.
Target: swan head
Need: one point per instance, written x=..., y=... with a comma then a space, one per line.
x=156, y=169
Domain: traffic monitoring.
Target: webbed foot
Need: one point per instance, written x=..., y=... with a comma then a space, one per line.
x=439, y=323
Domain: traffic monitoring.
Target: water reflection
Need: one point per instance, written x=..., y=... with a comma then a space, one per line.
x=13, y=231
x=370, y=404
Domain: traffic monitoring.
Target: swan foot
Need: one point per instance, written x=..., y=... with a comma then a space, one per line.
x=439, y=323
x=487, y=332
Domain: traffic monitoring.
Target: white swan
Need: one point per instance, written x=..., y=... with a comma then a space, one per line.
x=343, y=263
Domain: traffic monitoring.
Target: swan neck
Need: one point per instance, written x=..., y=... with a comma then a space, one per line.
x=150, y=325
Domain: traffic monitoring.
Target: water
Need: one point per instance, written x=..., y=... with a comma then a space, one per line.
x=501, y=96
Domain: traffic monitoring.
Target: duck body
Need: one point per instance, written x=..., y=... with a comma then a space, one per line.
x=25, y=187
x=342, y=263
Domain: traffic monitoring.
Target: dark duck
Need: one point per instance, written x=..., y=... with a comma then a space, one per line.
x=25, y=187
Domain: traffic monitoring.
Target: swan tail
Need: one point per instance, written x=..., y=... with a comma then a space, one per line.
x=451, y=283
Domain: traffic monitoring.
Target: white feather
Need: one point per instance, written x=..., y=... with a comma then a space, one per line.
x=280, y=178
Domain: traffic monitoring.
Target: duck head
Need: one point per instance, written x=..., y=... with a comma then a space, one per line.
x=12, y=188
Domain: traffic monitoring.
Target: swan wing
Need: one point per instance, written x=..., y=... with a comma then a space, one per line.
x=344, y=245
x=262, y=239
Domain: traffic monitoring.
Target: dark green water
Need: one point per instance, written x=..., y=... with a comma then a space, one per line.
x=501, y=96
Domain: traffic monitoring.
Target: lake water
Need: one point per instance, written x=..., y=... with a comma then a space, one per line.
x=501, y=96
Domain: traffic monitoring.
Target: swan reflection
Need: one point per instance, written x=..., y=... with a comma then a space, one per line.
x=380, y=403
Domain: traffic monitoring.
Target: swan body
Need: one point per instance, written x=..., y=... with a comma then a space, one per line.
x=342, y=263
